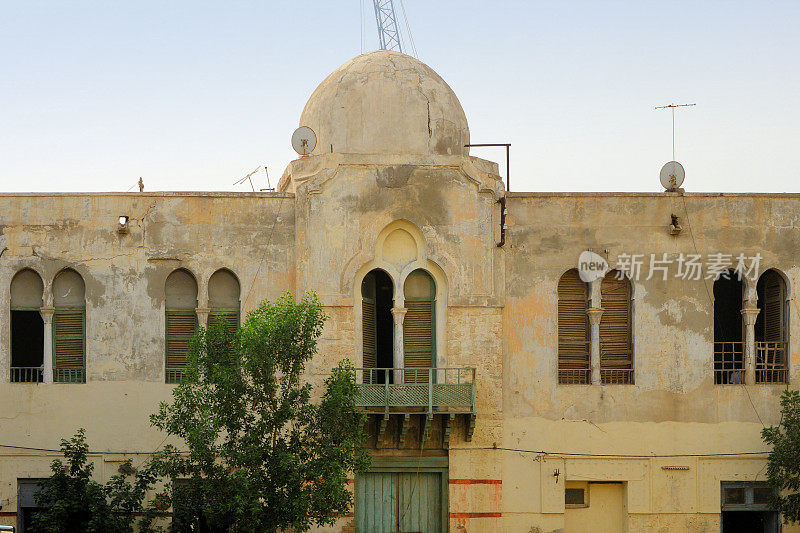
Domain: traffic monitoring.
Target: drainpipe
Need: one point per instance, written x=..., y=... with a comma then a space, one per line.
x=503, y=213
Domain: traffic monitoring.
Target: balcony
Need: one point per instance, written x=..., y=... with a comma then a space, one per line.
x=444, y=392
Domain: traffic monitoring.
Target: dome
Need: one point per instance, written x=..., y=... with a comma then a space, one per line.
x=386, y=103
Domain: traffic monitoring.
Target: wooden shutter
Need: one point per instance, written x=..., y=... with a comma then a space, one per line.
x=616, y=351
x=418, y=337
x=773, y=309
x=369, y=333
x=68, y=345
x=228, y=316
x=573, y=328
x=181, y=327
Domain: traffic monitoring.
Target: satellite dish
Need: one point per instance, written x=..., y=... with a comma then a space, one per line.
x=672, y=175
x=304, y=140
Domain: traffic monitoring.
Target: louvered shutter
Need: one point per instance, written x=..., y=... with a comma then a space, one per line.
x=574, y=331
x=615, y=329
x=181, y=327
x=418, y=339
x=773, y=309
x=229, y=317
x=68, y=346
x=369, y=335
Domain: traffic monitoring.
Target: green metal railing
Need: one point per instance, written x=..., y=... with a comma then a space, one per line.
x=430, y=390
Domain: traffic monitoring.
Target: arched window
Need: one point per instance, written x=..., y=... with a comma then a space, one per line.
x=728, y=329
x=69, y=328
x=616, y=346
x=27, y=327
x=377, y=298
x=419, y=327
x=181, y=321
x=574, y=331
x=772, y=329
x=223, y=299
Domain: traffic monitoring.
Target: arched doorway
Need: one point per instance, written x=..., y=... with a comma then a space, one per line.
x=377, y=298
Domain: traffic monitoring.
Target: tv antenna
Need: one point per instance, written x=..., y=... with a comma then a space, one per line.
x=248, y=177
x=269, y=186
x=672, y=108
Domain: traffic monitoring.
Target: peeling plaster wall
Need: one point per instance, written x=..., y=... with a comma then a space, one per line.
x=497, y=308
x=674, y=407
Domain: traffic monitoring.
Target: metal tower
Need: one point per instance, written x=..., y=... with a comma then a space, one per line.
x=388, y=34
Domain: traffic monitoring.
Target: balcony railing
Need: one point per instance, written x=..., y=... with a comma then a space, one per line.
x=729, y=363
x=771, y=361
x=424, y=390
x=26, y=374
x=69, y=375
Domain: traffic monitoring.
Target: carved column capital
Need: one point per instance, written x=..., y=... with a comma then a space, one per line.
x=399, y=314
x=594, y=315
x=47, y=313
x=202, y=315
x=750, y=314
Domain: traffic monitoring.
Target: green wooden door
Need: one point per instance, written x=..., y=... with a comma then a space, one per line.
x=399, y=502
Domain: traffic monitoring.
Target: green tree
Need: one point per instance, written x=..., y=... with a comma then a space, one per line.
x=783, y=467
x=72, y=501
x=260, y=454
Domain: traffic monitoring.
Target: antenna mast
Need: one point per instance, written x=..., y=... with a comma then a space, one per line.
x=672, y=107
x=388, y=34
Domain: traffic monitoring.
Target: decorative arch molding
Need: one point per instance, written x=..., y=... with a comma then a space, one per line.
x=398, y=272
x=375, y=255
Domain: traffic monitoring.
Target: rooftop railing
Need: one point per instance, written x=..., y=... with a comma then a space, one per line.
x=423, y=390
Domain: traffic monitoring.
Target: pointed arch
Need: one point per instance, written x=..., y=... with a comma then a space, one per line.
x=69, y=327
x=27, y=326
x=419, y=326
x=574, y=331
x=180, y=290
x=616, y=332
x=224, y=293
x=772, y=328
x=729, y=291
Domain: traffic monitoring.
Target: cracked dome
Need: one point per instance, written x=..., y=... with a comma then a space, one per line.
x=386, y=103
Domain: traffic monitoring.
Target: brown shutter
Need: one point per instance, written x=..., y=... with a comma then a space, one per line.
x=573, y=329
x=230, y=317
x=181, y=327
x=773, y=309
x=369, y=333
x=615, y=329
x=68, y=337
x=418, y=338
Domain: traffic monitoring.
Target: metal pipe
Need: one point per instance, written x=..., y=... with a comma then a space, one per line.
x=508, y=159
x=502, y=202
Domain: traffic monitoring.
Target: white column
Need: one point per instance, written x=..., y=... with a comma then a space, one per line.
x=749, y=313
x=202, y=316
x=47, y=356
x=399, y=313
x=594, y=319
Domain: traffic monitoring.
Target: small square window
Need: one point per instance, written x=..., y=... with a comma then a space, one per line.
x=575, y=497
x=733, y=496
x=761, y=495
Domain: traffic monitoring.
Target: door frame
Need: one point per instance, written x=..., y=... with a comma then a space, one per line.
x=434, y=464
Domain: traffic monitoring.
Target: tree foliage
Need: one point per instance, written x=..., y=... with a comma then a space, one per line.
x=70, y=500
x=783, y=467
x=260, y=454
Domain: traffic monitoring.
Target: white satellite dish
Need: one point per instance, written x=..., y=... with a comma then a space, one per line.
x=304, y=140
x=672, y=176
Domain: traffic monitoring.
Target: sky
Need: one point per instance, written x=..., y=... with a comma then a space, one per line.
x=195, y=95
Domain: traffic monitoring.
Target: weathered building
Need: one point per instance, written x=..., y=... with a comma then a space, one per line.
x=522, y=397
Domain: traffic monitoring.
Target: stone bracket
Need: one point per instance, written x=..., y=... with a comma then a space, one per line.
x=382, y=423
x=470, y=427
x=448, y=426
x=404, y=423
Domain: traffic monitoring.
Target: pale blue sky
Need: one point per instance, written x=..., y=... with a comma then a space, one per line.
x=194, y=95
